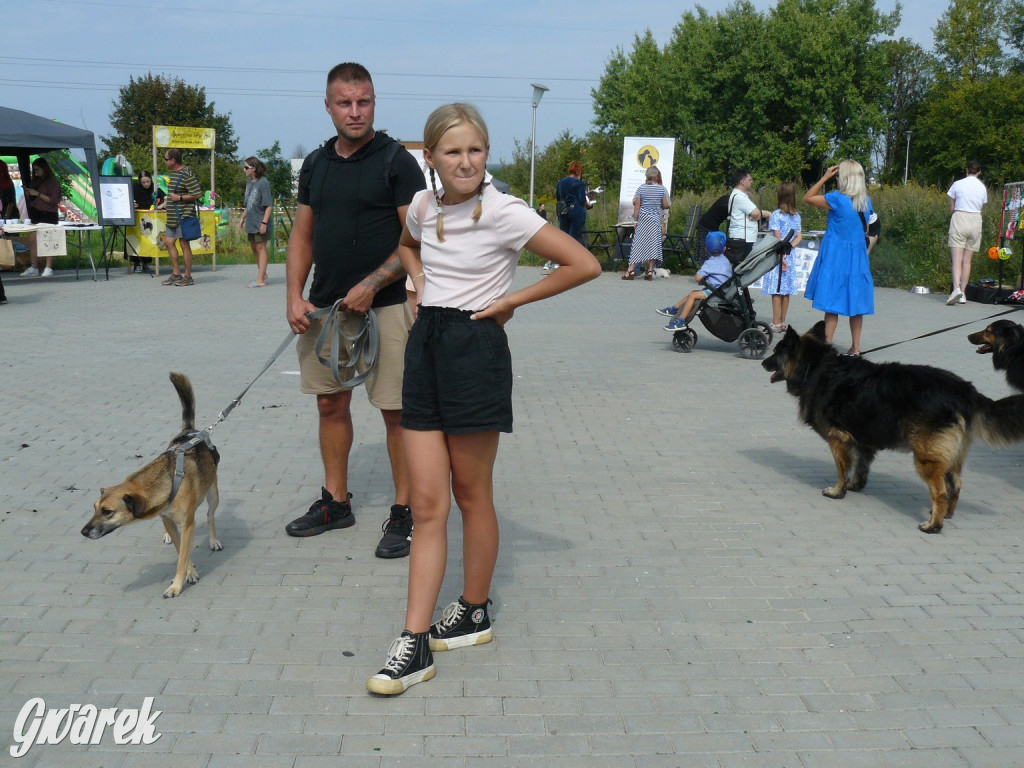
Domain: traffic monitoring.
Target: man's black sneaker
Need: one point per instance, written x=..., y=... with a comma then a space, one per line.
x=461, y=624
x=324, y=515
x=409, y=662
x=397, y=533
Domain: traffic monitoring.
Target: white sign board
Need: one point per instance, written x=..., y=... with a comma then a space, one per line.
x=51, y=241
x=638, y=154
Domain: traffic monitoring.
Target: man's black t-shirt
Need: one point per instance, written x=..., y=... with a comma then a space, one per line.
x=355, y=218
x=716, y=214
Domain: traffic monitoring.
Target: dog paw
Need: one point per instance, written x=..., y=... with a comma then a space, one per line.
x=172, y=591
x=929, y=528
x=192, y=575
x=167, y=538
x=216, y=546
x=835, y=492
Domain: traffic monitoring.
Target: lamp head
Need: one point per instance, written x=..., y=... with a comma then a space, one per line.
x=538, y=93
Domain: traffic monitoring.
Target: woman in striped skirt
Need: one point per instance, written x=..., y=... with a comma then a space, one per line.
x=650, y=200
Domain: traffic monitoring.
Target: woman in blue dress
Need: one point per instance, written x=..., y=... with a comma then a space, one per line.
x=840, y=280
x=650, y=200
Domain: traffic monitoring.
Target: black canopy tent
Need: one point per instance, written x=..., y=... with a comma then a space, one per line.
x=23, y=134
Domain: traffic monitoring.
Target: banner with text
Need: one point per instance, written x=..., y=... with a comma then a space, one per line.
x=184, y=137
x=638, y=154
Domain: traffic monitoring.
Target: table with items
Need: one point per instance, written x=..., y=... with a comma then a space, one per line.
x=52, y=239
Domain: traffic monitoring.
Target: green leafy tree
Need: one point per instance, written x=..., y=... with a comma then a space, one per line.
x=279, y=171
x=911, y=75
x=160, y=100
x=967, y=39
x=979, y=120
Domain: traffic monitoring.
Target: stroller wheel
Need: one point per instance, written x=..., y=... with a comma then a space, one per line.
x=684, y=340
x=753, y=343
x=765, y=329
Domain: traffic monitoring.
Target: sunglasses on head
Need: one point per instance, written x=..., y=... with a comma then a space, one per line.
x=246, y=167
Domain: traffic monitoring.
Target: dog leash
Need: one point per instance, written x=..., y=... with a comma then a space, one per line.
x=943, y=330
x=365, y=346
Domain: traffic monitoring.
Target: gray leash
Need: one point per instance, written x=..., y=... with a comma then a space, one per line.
x=365, y=346
x=942, y=330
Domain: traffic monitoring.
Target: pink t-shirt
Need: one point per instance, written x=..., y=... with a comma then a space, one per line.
x=475, y=264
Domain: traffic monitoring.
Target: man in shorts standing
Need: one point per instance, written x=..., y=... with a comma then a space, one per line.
x=353, y=195
x=185, y=190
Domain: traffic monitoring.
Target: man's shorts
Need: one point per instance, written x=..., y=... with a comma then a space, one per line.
x=384, y=386
x=173, y=232
x=256, y=237
x=458, y=374
x=965, y=230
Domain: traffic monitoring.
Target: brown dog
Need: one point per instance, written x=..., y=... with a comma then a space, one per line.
x=1004, y=340
x=148, y=493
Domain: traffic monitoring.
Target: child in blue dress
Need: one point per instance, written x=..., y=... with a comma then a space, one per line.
x=780, y=283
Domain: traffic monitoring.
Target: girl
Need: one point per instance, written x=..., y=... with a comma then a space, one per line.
x=650, y=200
x=840, y=280
x=780, y=283
x=461, y=244
x=42, y=196
x=259, y=206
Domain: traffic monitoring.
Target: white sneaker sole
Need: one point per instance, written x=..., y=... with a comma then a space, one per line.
x=953, y=299
x=387, y=686
x=477, y=638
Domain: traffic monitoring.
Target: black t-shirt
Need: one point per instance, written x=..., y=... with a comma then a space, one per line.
x=356, y=226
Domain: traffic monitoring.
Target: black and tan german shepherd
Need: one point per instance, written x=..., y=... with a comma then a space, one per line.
x=860, y=408
x=1004, y=340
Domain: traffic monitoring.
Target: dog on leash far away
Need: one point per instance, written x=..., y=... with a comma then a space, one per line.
x=860, y=408
x=147, y=493
x=1004, y=340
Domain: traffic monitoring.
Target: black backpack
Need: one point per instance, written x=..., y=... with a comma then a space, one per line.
x=716, y=214
x=564, y=205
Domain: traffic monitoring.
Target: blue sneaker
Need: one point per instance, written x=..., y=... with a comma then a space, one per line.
x=679, y=324
x=667, y=311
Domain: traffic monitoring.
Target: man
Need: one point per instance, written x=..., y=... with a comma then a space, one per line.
x=966, y=199
x=184, y=192
x=743, y=216
x=353, y=195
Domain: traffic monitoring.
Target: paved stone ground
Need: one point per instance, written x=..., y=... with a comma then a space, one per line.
x=672, y=589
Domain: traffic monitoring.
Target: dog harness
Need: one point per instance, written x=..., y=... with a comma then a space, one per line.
x=196, y=437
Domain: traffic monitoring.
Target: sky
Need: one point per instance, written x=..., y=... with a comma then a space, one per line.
x=265, y=63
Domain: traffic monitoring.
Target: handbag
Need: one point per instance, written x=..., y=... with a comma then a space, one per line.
x=191, y=229
x=7, y=253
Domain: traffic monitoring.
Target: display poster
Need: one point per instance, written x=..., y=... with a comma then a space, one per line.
x=51, y=241
x=147, y=235
x=638, y=154
x=116, y=204
x=184, y=137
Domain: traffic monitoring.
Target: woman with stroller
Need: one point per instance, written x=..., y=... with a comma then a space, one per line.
x=840, y=280
x=780, y=283
x=650, y=200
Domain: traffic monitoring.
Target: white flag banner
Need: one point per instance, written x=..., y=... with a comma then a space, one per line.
x=638, y=154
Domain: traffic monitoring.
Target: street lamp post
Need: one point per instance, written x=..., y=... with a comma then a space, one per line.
x=906, y=166
x=538, y=94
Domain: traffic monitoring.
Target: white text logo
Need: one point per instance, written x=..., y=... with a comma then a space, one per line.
x=82, y=725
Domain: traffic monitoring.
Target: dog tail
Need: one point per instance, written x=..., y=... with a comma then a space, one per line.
x=1001, y=422
x=188, y=400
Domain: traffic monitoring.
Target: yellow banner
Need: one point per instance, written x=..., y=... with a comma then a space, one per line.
x=184, y=138
x=146, y=237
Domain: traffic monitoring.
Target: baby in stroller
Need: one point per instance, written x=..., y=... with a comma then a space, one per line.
x=715, y=271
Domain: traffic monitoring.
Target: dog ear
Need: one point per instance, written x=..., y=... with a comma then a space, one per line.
x=791, y=334
x=135, y=506
x=818, y=330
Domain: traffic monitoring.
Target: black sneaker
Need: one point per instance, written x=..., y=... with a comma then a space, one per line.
x=397, y=533
x=409, y=662
x=324, y=515
x=461, y=624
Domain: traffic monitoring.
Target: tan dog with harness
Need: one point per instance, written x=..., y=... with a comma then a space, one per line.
x=172, y=486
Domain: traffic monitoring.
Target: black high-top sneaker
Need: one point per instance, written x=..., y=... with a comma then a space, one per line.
x=324, y=514
x=461, y=624
x=409, y=662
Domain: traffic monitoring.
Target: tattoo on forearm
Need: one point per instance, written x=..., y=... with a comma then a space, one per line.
x=390, y=271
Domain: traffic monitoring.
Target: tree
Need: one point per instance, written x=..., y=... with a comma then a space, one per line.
x=967, y=39
x=279, y=171
x=979, y=120
x=159, y=100
x=911, y=75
